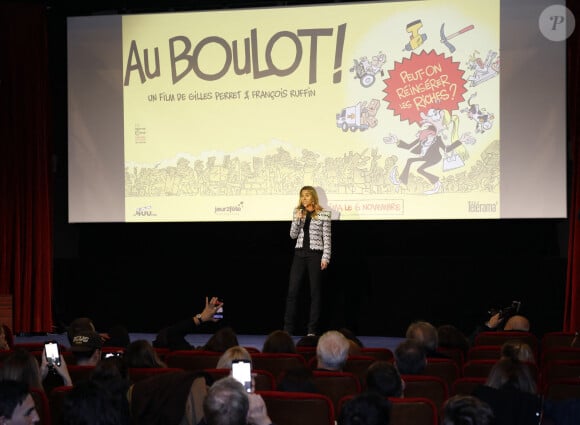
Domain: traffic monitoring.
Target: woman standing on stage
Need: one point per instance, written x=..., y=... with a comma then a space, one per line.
x=311, y=229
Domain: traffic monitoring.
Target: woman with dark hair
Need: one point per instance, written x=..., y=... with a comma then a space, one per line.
x=279, y=342
x=383, y=378
x=221, y=340
x=21, y=365
x=112, y=375
x=140, y=353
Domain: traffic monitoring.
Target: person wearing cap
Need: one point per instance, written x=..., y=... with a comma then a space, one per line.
x=86, y=347
x=117, y=336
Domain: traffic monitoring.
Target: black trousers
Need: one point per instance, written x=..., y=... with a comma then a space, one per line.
x=305, y=262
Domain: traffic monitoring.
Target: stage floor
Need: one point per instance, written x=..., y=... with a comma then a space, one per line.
x=197, y=340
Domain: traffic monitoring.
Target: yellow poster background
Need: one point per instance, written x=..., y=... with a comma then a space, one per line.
x=229, y=148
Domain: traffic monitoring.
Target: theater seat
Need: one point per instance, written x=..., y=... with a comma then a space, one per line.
x=56, y=401
x=295, y=408
x=192, y=359
x=465, y=385
x=431, y=387
x=277, y=363
x=562, y=389
x=500, y=337
x=406, y=411
x=336, y=385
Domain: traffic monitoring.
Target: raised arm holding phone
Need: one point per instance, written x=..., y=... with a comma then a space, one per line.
x=174, y=336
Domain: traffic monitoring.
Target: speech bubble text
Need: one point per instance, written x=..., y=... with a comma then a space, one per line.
x=422, y=82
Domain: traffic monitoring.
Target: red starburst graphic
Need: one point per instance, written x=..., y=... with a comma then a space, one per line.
x=422, y=82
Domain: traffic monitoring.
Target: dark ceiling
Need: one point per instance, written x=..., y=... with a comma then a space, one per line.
x=101, y=7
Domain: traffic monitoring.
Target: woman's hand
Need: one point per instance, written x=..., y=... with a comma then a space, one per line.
x=299, y=214
x=211, y=307
x=323, y=265
x=62, y=370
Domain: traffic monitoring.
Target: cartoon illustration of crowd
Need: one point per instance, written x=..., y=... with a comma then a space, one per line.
x=362, y=172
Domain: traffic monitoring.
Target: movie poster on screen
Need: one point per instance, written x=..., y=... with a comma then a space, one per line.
x=391, y=110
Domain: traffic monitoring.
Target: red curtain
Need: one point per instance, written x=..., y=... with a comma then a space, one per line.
x=572, y=307
x=25, y=155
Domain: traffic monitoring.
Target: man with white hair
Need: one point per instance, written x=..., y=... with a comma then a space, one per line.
x=332, y=351
x=228, y=403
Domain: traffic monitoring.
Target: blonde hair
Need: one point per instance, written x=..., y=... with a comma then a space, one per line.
x=314, y=194
x=511, y=374
x=518, y=350
x=236, y=352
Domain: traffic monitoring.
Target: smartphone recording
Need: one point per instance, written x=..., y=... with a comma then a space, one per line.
x=242, y=372
x=52, y=353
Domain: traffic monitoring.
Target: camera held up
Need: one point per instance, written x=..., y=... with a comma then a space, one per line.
x=506, y=312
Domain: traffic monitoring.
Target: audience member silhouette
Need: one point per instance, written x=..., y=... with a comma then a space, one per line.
x=21, y=365
x=140, y=353
x=4, y=338
x=16, y=403
x=450, y=336
x=111, y=374
x=466, y=410
x=384, y=379
x=332, y=351
x=497, y=322
x=426, y=334
x=173, y=336
x=509, y=373
x=117, y=336
x=365, y=409
x=89, y=403
x=308, y=341
x=410, y=358
x=355, y=344
x=86, y=347
x=297, y=379
x=221, y=340
x=517, y=323
x=172, y=398
x=510, y=390
x=518, y=350
x=227, y=403
x=279, y=341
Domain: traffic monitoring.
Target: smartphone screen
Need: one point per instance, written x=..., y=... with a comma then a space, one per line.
x=52, y=353
x=242, y=372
